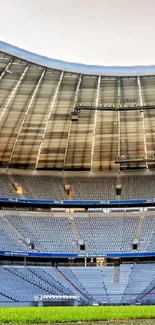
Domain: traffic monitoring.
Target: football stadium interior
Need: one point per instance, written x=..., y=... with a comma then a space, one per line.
x=77, y=182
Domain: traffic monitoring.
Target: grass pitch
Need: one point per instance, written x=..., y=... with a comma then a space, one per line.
x=32, y=315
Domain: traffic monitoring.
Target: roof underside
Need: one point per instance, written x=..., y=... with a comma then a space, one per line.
x=36, y=131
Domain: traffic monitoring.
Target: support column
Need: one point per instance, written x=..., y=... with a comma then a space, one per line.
x=143, y=120
x=95, y=119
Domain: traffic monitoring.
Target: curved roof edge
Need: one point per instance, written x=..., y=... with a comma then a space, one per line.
x=77, y=67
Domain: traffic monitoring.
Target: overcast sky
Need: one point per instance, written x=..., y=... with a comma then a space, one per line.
x=106, y=32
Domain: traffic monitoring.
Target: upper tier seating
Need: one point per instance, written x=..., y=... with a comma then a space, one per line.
x=6, y=188
x=138, y=187
x=41, y=187
x=92, y=188
x=82, y=188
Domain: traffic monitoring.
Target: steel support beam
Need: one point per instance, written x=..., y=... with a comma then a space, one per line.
x=48, y=117
x=95, y=119
x=13, y=92
x=119, y=116
x=129, y=160
x=143, y=120
x=5, y=70
x=26, y=113
x=114, y=108
x=70, y=126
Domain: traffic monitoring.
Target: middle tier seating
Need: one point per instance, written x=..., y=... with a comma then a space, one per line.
x=58, y=234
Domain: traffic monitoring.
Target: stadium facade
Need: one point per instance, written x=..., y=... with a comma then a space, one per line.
x=77, y=178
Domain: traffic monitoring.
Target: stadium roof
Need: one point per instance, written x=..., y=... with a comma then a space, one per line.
x=77, y=67
x=38, y=95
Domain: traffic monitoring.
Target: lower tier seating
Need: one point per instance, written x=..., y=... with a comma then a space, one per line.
x=21, y=284
x=134, y=283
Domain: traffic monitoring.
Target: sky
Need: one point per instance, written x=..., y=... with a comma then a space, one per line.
x=101, y=32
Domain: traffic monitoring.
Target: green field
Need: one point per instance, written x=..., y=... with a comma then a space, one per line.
x=75, y=314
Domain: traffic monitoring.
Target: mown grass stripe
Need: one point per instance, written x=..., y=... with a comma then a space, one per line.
x=74, y=314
